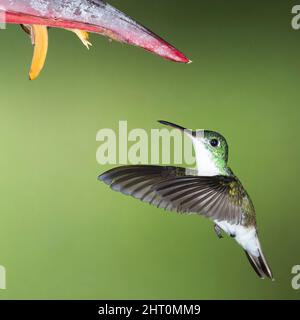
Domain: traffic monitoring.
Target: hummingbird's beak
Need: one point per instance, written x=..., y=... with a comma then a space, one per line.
x=189, y=132
x=82, y=16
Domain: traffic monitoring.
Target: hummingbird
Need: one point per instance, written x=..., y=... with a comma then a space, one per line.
x=80, y=17
x=211, y=190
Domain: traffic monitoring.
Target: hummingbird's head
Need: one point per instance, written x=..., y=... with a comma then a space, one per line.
x=211, y=150
x=215, y=143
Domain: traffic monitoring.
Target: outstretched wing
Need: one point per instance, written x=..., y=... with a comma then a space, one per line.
x=219, y=198
x=140, y=181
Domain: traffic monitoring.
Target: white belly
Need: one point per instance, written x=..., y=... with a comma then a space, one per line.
x=245, y=236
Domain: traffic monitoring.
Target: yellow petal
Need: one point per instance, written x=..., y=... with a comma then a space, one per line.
x=40, y=40
x=83, y=36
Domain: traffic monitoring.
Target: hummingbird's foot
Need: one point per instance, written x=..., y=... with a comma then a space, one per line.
x=218, y=231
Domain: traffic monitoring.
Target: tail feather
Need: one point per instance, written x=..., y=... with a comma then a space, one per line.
x=260, y=265
x=265, y=266
x=254, y=265
x=247, y=237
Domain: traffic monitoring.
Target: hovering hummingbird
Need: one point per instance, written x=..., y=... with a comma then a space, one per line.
x=80, y=17
x=212, y=190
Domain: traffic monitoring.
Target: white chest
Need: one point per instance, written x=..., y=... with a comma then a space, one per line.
x=206, y=165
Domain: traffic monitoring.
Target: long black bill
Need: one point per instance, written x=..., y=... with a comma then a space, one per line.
x=176, y=126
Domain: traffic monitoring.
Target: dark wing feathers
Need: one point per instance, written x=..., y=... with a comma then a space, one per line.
x=138, y=181
x=175, y=189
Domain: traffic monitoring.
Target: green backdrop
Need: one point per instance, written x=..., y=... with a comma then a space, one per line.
x=65, y=235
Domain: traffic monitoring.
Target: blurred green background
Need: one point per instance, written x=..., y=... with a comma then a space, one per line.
x=64, y=235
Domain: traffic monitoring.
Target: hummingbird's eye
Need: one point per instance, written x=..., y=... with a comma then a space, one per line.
x=214, y=143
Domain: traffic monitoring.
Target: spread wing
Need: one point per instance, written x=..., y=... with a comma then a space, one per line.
x=219, y=198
